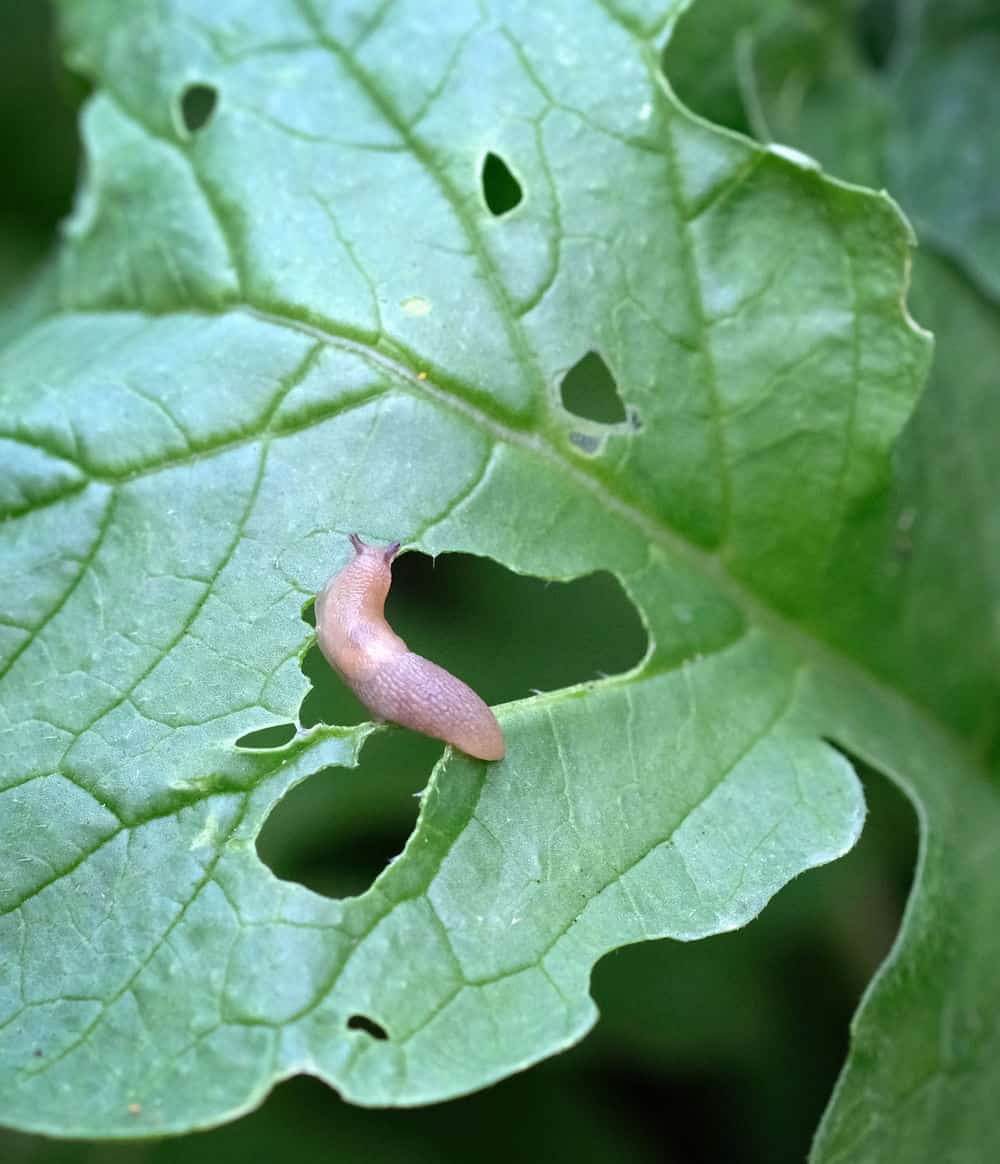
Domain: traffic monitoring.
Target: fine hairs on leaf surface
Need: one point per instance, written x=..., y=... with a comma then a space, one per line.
x=286, y=307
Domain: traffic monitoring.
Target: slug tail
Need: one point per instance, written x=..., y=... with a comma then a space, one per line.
x=411, y=690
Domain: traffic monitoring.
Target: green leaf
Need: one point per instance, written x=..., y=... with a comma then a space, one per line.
x=923, y=1064
x=302, y=318
x=797, y=71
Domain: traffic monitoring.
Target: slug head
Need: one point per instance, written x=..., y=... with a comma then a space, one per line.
x=370, y=573
x=362, y=549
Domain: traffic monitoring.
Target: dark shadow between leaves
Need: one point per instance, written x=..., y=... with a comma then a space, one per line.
x=757, y=1020
x=876, y=30
x=39, y=136
x=506, y=635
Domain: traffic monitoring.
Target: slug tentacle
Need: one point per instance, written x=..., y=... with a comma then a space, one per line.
x=392, y=681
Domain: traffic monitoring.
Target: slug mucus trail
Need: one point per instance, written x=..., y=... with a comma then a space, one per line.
x=387, y=677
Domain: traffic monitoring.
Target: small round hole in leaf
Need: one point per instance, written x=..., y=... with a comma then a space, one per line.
x=501, y=189
x=197, y=106
x=589, y=390
x=361, y=1022
x=586, y=442
x=269, y=737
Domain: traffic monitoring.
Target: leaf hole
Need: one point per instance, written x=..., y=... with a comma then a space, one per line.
x=586, y=442
x=505, y=634
x=589, y=390
x=501, y=190
x=361, y=1022
x=337, y=831
x=197, y=105
x=269, y=737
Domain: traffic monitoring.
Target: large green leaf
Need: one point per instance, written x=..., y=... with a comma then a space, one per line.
x=923, y=1065
x=301, y=318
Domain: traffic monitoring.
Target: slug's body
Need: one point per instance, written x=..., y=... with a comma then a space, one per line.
x=388, y=678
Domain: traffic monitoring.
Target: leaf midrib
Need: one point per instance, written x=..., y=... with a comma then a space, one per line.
x=710, y=564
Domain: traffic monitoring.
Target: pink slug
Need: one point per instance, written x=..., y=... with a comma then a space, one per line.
x=389, y=679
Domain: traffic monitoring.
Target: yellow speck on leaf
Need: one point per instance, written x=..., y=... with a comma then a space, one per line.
x=416, y=305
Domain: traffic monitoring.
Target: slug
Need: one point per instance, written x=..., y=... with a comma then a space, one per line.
x=387, y=677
